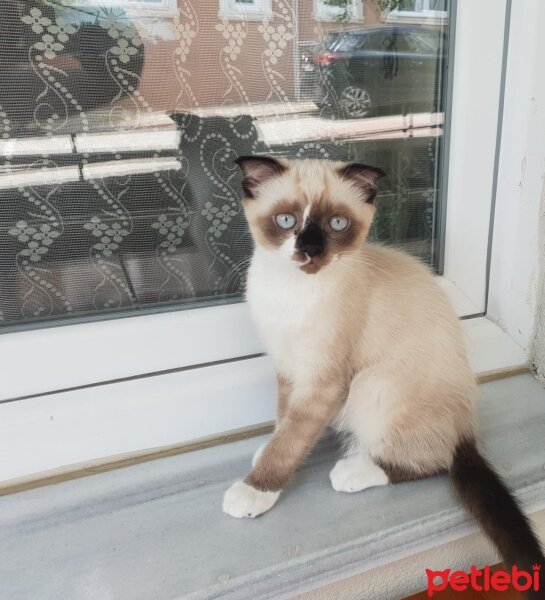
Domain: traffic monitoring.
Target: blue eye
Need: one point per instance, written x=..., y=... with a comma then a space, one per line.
x=285, y=221
x=338, y=223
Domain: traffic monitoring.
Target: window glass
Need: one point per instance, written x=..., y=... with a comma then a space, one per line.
x=411, y=5
x=120, y=122
x=422, y=5
x=425, y=41
x=440, y=5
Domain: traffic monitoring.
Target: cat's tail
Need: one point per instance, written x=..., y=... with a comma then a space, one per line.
x=487, y=498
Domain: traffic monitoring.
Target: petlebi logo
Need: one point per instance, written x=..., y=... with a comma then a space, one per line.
x=483, y=580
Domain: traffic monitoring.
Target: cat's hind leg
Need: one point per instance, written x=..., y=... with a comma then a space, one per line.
x=370, y=419
x=356, y=472
x=384, y=445
x=363, y=420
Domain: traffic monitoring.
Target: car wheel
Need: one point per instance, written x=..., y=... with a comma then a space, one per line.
x=355, y=102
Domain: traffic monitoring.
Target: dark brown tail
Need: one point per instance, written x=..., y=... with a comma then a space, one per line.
x=487, y=498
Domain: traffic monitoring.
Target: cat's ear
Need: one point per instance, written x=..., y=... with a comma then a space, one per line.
x=257, y=170
x=364, y=176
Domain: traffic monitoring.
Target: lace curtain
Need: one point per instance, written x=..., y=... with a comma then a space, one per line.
x=120, y=121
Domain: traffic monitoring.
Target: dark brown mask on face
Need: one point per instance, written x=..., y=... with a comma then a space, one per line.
x=308, y=211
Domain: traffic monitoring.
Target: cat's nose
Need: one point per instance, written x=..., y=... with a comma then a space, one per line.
x=311, y=240
x=312, y=250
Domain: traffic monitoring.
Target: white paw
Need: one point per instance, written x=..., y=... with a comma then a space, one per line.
x=242, y=500
x=354, y=474
x=258, y=454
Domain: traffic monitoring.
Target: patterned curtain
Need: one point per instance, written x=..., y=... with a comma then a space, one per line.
x=120, y=121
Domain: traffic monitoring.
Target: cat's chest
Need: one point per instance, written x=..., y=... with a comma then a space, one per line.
x=287, y=308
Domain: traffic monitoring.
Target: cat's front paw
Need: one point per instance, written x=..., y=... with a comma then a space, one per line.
x=243, y=500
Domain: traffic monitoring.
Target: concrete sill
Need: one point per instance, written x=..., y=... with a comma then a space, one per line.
x=155, y=531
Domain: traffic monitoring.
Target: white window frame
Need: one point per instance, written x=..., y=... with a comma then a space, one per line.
x=477, y=89
x=330, y=14
x=425, y=14
x=519, y=207
x=126, y=385
x=146, y=8
x=256, y=11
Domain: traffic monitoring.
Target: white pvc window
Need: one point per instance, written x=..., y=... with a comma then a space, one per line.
x=151, y=8
x=428, y=11
x=186, y=349
x=338, y=10
x=245, y=9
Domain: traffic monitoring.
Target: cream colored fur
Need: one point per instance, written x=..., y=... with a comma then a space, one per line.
x=379, y=319
x=368, y=343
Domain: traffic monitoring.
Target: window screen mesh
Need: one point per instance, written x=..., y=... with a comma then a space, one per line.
x=119, y=124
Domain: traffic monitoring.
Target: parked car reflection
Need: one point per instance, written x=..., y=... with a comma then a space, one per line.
x=381, y=70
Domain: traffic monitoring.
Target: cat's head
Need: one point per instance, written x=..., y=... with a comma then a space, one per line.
x=308, y=211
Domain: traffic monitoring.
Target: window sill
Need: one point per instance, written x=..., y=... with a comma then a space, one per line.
x=157, y=530
x=166, y=8
x=99, y=422
x=328, y=19
x=412, y=17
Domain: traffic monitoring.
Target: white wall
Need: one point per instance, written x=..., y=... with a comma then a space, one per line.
x=537, y=355
x=514, y=266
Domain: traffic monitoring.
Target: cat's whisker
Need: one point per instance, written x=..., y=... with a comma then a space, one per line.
x=235, y=271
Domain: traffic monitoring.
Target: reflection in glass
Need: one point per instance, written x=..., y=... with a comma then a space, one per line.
x=120, y=121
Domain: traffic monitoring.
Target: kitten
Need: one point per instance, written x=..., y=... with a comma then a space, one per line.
x=363, y=339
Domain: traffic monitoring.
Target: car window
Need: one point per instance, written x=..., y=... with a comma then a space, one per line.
x=348, y=42
x=332, y=38
x=387, y=40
